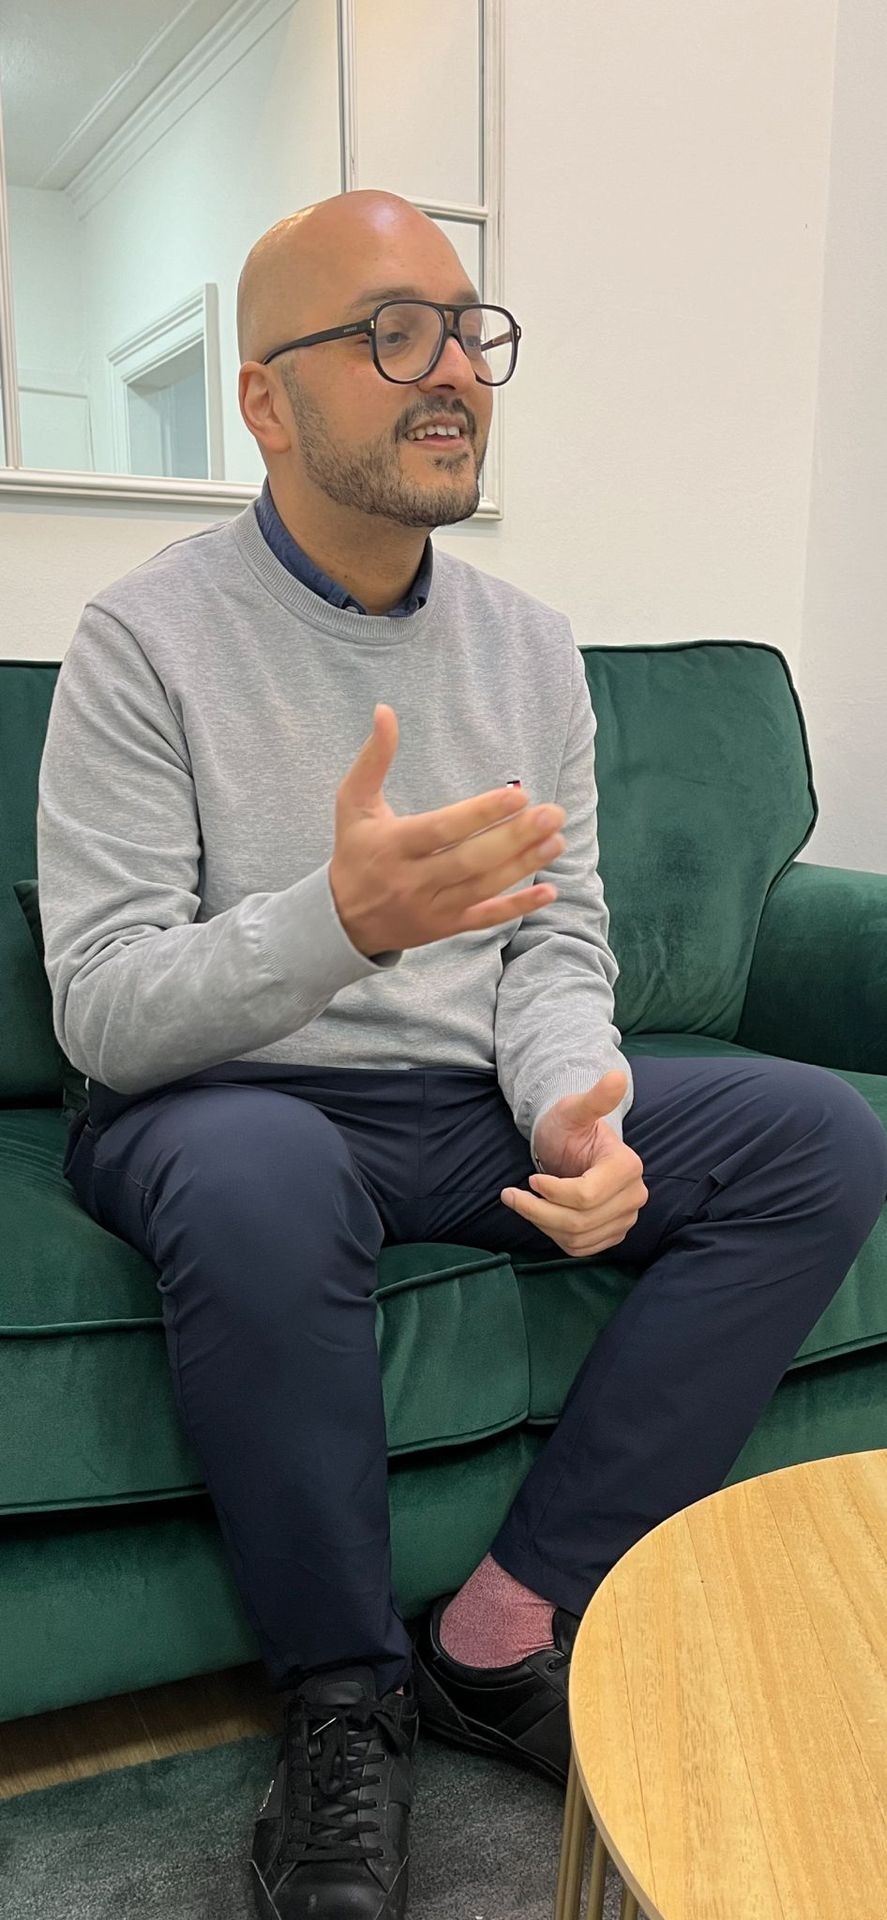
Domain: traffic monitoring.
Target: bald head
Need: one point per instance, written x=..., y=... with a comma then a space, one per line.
x=316, y=260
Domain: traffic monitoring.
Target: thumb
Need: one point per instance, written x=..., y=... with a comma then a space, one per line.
x=606, y=1094
x=362, y=785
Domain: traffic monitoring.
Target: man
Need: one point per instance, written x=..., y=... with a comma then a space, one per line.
x=316, y=1017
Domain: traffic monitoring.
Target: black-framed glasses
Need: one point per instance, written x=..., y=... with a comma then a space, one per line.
x=409, y=336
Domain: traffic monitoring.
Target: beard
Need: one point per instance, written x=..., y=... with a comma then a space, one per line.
x=371, y=478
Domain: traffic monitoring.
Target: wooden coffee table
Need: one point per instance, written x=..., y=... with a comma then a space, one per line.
x=728, y=1707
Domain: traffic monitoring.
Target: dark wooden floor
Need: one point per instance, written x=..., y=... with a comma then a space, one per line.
x=129, y=1728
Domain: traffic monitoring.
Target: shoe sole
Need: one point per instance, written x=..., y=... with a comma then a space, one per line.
x=459, y=1732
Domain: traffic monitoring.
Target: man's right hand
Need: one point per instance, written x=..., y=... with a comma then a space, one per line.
x=401, y=883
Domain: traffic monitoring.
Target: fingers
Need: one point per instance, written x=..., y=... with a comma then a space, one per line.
x=445, y=827
x=606, y=1188
x=576, y=1227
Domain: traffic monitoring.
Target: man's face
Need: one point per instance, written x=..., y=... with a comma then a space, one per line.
x=353, y=426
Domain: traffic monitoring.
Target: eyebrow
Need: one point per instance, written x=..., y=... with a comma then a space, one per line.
x=373, y=297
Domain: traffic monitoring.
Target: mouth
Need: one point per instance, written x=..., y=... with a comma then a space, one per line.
x=439, y=438
x=445, y=449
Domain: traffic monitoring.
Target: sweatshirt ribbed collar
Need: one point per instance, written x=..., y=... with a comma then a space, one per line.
x=340, y=623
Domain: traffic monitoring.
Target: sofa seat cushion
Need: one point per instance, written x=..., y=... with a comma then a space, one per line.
x=472, y=1343
x=87, y=1412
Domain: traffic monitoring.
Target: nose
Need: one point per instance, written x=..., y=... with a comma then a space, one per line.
x=453, y=369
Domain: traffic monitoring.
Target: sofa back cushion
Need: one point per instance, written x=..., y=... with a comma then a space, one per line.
x=705, y=796
x=31, y=1061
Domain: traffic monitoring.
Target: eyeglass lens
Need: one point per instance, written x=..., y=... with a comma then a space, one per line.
x=408, y=336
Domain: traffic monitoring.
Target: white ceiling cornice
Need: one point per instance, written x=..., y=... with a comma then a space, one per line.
x=195, y=75
x=158, y=60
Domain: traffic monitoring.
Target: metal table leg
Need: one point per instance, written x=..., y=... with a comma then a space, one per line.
x=598, y=1879
x=576, y=1823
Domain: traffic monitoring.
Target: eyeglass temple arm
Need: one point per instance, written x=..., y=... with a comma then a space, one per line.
x=312, y=339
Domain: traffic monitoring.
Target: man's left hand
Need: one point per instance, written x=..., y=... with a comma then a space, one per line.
x=594, y=1198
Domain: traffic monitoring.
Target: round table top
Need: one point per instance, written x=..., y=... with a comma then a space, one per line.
x=728, y=1701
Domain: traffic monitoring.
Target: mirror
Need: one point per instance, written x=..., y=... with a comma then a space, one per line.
x=147, y=146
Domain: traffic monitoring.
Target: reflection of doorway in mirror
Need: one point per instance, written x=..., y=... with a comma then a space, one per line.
x=167, y=417
x=166, y=393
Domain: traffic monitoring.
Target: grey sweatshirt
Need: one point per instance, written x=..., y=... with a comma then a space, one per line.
x=204, y=715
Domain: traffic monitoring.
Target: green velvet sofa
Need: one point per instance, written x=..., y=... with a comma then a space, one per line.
x=112, y=1569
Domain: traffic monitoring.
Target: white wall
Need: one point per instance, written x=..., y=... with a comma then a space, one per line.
x=843, y=668
x=666, y=177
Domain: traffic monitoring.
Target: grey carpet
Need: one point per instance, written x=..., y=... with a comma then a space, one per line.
x=170, y=1840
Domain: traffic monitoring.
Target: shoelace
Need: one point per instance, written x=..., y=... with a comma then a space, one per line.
x=337, y=1751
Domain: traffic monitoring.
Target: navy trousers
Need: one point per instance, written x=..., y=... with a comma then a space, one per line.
x=264, y=1194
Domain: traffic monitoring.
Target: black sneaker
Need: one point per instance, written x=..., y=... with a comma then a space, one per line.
x=331, y=1838
x=519, y=1712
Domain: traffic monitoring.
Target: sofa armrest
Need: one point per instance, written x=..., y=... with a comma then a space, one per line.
x=817, y=986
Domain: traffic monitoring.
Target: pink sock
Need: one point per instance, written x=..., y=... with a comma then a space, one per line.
x=493, y=1621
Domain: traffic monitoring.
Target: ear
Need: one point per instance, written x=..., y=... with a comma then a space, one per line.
x=264, y=406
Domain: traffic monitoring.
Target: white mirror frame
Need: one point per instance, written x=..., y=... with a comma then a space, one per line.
x=17, y=479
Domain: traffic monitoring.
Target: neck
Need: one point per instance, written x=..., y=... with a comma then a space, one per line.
x=374, y=559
